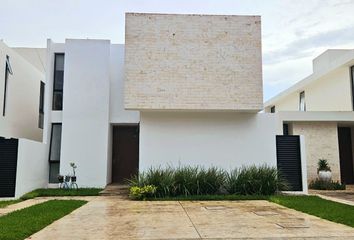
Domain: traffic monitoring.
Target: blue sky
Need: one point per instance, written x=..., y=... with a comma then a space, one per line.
x=293, y=32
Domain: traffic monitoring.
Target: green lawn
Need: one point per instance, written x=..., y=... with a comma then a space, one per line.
x=333, y=211
x=47, y=192
x=8, y=202
x=23, y=223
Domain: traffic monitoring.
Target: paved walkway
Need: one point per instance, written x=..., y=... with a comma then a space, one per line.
x=31, y=202
x=342, y=196
x=115, y=218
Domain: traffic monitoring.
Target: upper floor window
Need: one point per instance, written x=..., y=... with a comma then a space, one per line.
x=58, y=81
x=8, y=70
x=41, y=106
x=272, y=109
x=302, y=104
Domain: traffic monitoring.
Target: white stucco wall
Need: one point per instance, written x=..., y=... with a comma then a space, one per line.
x=22, y=97
x=117, y=112
x=322, y=95
x=225, y=140
x=32, y=166
x=85, y=116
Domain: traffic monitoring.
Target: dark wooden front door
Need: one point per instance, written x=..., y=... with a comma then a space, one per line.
x=345, y=155
x=125, y=155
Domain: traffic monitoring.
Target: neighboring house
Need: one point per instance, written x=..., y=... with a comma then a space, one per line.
x=183, y=90
x=22, y=86
x=320, y=107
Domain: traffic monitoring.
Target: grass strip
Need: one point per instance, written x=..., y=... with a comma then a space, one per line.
x=332, y=211
x=25, y=222
x=52, y=192
x=8, y=202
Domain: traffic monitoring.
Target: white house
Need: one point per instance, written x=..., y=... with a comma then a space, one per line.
x=320, y=107
x=183, y=90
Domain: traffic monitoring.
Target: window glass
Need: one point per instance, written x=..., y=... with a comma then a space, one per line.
x=55, y=143
x=58, y=82
x=53, y=172
x=302, y=106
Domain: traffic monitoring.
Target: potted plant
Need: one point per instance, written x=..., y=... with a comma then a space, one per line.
x=60, y=178
x=324, y=171
x=73, y=177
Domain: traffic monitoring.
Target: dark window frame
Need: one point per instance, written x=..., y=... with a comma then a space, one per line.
x=41, y=105
x=8, y=70
x=51, y=140
x=50, y=153
x=302, y=94
x=54, y=81
x=272, y=109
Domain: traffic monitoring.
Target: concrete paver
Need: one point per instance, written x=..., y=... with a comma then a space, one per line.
x=116, y=218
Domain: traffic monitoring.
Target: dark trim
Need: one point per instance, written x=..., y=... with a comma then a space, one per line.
x=285, y=129
x=41, y=105
x=5, y=86
x=54, y=81
x=352, y=84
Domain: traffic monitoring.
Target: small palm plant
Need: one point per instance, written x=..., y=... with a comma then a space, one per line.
x=323, y=165
x=324, y=170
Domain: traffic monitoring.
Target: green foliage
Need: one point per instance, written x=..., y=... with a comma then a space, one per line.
x=323, y=165
x=326, y=185
x=46, y=192
x=142, y=192
x=23, y=223
x=190, y=181
x=253, y=180
x=332, y=211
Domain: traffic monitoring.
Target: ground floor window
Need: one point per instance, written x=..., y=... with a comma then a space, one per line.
x=54, y=153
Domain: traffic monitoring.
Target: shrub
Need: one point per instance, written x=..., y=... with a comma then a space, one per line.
x=188, y=181
x=326, y=185
x=142, y=192
x=253, y=180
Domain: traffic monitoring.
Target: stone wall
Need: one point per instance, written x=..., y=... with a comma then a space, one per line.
x=321, y=141
x=193, y=62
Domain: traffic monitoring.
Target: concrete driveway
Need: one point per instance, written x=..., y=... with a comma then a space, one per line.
x=115, y=218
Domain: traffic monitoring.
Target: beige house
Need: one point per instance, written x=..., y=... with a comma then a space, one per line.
x=320, y=107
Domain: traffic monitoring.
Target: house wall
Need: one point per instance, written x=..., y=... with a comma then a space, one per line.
x=118, y=114
x=225, y=140
x=22, y=100
x=193, y=62
x=85, y=115
x=322, y=95
x=32, y=166
x=321, y=141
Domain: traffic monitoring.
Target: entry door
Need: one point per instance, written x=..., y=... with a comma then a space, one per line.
x=125, y=159
x=345, y=155
x=289, y=160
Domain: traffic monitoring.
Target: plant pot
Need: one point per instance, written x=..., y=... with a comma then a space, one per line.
x=67, y=178
x=73, y=178
x=325, y=176
x=61, y=179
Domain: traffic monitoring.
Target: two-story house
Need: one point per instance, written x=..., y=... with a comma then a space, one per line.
x=320, y=107
x=183, y=90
